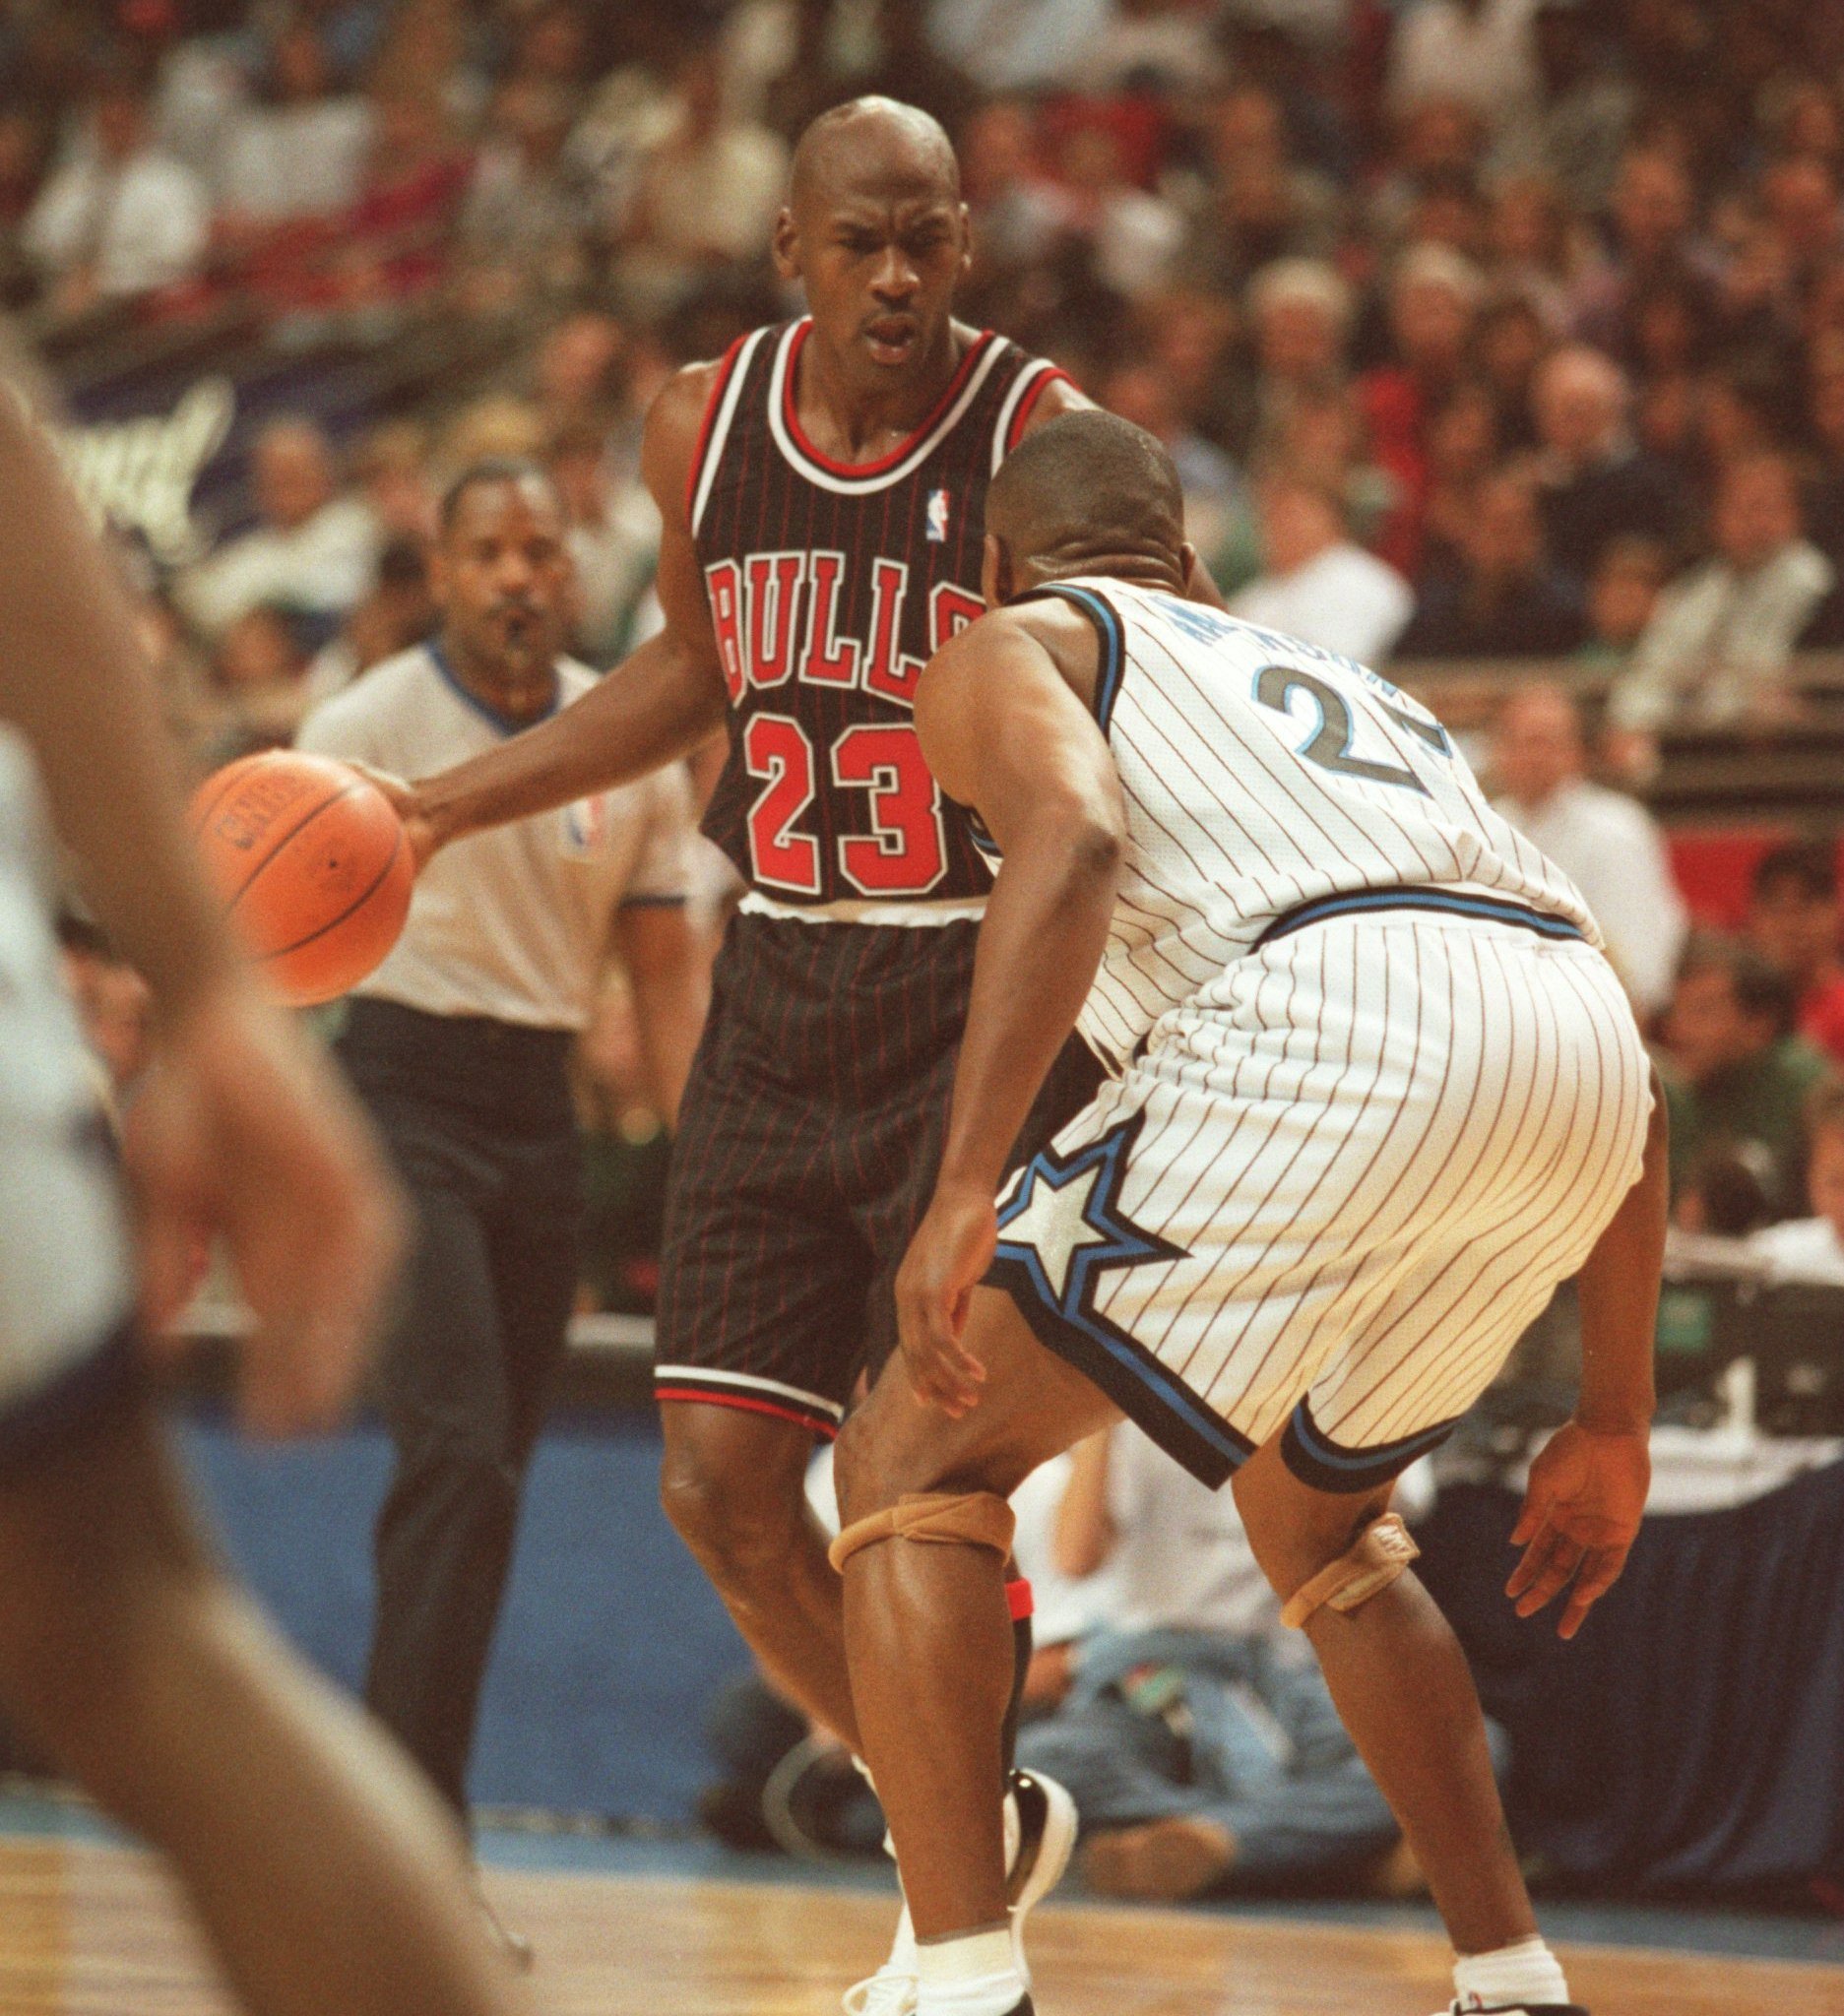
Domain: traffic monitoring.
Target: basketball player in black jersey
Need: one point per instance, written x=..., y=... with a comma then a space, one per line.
x=821, y=488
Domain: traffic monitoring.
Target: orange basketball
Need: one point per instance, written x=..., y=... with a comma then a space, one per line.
x=310, y=860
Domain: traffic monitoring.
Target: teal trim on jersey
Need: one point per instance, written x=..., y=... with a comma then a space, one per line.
x=1326, y=1466
x=504, y=723
x=1108, y=627
x=1445, y=902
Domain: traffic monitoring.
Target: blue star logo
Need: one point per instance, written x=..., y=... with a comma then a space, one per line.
x=1064, y=1222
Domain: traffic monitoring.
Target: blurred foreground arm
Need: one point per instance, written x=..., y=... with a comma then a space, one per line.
x=242, y=1130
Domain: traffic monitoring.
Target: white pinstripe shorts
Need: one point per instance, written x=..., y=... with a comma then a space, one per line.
x=1334, y=1191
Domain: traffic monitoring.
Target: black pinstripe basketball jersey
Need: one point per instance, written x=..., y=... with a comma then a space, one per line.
x=830, y=585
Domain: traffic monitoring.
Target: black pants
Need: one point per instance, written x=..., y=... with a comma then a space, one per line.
x=476, y=1116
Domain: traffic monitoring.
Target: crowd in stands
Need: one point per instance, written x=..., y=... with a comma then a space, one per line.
x=1478, y=329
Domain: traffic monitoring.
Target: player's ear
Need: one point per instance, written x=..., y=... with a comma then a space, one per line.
x=1187, y=565
x=995, y=572
x=966, y=242
x=785, y=246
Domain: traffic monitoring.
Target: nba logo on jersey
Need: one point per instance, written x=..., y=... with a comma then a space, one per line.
x=938, y=517
x=585, y=823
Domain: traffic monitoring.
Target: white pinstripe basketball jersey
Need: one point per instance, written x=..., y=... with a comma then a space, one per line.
x=1263, y=775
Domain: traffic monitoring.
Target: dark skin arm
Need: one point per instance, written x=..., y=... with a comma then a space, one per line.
x=1006, y=727
x=1588, y=1488
x=664, y=701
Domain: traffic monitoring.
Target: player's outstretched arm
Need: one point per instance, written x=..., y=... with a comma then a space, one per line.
x=1004, y=732
x=243, y=1130
x=660, y=703
x=1588, y=1488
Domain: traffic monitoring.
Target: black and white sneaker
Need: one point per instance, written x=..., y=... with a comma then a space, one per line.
x=1039, y=1838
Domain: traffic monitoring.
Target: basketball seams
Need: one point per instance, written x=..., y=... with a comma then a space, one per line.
x=358, y=904
x=346, y=790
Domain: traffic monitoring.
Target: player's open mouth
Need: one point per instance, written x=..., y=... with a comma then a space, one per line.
x=891, y=337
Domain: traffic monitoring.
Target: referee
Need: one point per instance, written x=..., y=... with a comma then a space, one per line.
x=460, y=1045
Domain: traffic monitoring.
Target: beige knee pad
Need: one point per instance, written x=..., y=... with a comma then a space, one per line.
x=974, y=1519
x=1382, y=1552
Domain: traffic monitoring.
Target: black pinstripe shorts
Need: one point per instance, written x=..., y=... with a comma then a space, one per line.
x=807, y=1146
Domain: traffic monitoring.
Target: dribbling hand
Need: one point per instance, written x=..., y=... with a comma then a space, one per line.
x=243, y=1131
x=947, y=1258
x=419, y=832
x=1581, y=1513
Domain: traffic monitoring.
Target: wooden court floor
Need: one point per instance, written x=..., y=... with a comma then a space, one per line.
x=94, y=1932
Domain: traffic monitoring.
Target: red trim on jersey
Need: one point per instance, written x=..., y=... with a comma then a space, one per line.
x=699, y=1395
x=1019, y=1600
x=1026, y=406
x=711, y=406
x=797, y=434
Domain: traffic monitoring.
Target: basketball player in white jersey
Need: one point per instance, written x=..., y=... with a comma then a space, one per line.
x=326, y=1875
x=1375, y=1092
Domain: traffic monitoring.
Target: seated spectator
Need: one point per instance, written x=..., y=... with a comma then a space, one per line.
x=1300, y=312
x=117, y=218
x=1219, y=511
x=528, y=218
x=1317, y=584
x=614, y=537
x=1597, y=485
x=1585, y=109
x=1622, y=592
x=1131, y=237
x=707, y=195
x=1737, y=1077
x=1606, y=842
x=259, y=678
x=399, y=611
x=114, y=1009
x=1813, y=1249
x=1481, y=52
x=1718, y=645
x=1198, y=1739
x=1017, y=211
x=1257, y=205
x=1433, y=297
x=1793, y=920
x=312, y=549
x=1503, y=599
x=299, y=151
x=1654, y=244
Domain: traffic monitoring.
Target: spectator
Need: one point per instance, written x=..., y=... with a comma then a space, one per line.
x=312, y=549
x=299, y=151
x=1736, y=1077
x=1621, y=595
x=1597, y=486
x=1813, y=1249
x=1301, y=313
x=259, y=674
x=529, y=216
x=1018, y=211
x=1434, y=295
x=117, y=218
x=1503, y=599
x=1717, y=646
x=614, y=538
x=1480, y=52
x=1654, y=244
x=1792, y=922
x=1131, y=237
x=1318, y=585
x=1006, y=47
x=1606, y=842
x=399, y=611
x=1199, y=1745
x=1257, y=205
x=114, y=1009
x=707, y=195
x=1585, y=110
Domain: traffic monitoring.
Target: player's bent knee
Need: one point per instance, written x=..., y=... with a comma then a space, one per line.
x=733, y=1500
x=1379, y=1556
x=977, y=1519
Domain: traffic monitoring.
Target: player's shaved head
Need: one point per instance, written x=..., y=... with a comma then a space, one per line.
x=1090, y=493
x=872, y=143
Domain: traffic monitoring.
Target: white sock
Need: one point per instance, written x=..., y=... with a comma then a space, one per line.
x=974, y=1976
x=1522, y=1974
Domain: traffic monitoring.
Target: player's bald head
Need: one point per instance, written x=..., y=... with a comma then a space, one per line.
x=1088, y=493
x=872, y=145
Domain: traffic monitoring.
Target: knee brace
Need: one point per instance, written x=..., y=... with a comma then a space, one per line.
x=974, y=1519
x=1381, y=1553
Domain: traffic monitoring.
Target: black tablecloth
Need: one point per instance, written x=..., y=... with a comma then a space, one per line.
x=1693, y=1733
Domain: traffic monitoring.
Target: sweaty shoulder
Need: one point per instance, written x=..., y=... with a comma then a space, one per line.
x=1048, y=627
x=674, y=426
